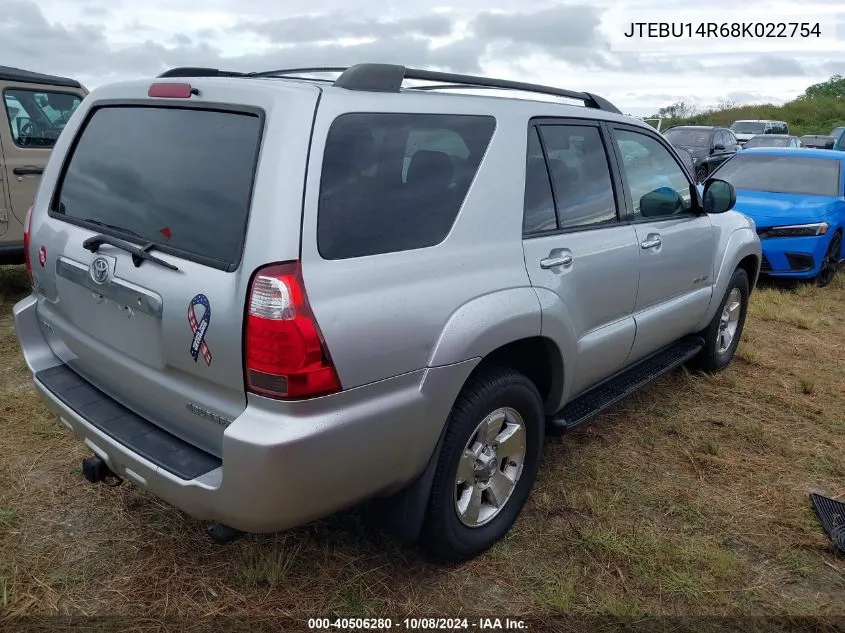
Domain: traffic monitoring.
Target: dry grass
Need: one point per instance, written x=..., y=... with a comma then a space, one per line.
x=689, y=498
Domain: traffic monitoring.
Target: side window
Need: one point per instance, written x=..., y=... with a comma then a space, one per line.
x=539, y=210
x=658, y=174
x=730, y=140
x=395, y=182
x=37, y=118
x=722, y=139
x=581, y=175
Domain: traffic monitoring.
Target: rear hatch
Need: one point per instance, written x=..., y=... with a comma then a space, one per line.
x=153, y=215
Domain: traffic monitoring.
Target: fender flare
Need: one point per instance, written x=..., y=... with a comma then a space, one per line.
x=473, y=332
x=742, y=243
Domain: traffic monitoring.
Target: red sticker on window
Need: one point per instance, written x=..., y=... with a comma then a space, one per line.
x=166, y=232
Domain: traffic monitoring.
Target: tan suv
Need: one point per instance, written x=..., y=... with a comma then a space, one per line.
x=36, y=109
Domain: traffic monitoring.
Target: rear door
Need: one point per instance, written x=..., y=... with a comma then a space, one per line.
x=577, y=245
x=34, y=118
x=180, y=179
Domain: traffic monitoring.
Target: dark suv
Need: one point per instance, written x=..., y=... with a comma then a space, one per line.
x=709, y=146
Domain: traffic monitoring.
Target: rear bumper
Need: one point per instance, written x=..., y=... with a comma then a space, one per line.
x=794, y=257
x=282, y=464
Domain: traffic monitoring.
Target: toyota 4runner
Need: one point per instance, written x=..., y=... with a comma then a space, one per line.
x=267, y=297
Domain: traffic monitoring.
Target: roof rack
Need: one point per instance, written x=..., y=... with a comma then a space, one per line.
x=190, y=71
x=389, y=78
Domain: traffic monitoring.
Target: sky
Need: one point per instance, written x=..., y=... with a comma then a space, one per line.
x=574, y=44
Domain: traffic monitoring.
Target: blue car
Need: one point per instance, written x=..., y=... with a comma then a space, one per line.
x=796, y=197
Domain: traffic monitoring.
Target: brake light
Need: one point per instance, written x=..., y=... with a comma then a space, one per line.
x=27, y=226
x=172, y=91
x=286, y=356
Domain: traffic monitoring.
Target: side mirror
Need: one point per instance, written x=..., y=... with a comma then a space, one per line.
x=719, y=147
x=660, y=203
x=719, y=196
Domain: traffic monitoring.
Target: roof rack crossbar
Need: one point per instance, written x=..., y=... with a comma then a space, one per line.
x=389, y=78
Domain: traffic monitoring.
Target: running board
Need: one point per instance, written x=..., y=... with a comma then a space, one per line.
x=626, y=382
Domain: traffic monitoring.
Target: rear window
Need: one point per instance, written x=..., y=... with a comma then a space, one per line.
x=395, y=182
x=178, y=178
x=775, y=173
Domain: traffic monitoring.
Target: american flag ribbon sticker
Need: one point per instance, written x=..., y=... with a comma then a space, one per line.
x=199, y=327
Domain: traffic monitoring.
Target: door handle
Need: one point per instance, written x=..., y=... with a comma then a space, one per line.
x=556, y=260
x=652, y=241
x=28, y=171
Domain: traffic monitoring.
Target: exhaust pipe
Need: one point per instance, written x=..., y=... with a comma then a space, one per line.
x=95, y=470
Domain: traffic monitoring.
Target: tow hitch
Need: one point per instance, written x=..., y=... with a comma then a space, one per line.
x=96, y=470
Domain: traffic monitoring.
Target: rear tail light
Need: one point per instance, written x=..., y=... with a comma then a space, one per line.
x=27, y=226
x=286, y=356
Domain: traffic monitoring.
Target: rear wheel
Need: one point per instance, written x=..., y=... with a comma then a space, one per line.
x=487, y=465
x=830, y=263
x=722, y=335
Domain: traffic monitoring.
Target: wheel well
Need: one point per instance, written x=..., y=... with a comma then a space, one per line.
x=751, y=266
x=536, y=357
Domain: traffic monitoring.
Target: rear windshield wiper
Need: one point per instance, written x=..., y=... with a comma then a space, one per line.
x=139, y=254
x=113, y=227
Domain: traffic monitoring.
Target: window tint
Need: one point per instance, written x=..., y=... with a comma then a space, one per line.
x=395, y=182
x=37, y=118
x=658, y=170
x=581, y=175
x=777, y=173
x=176, y=177
x=539, y=213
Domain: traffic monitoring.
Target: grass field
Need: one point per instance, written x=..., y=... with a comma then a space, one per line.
x=689, y=498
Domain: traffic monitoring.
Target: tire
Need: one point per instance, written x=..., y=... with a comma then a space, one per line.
x=715, y=356
x=830, y=263
x=701, y=174
x=448, y=537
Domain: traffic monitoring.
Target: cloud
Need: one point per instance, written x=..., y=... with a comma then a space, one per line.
x=321, y=28
x=552, y=42
x=565, y=27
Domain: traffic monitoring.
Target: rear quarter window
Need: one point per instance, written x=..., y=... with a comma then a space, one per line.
x=395, y=182
x=179, y=178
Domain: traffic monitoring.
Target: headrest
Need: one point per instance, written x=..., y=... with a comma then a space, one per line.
x=431, y=168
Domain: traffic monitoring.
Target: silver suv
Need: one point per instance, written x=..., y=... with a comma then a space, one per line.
x=265, y=298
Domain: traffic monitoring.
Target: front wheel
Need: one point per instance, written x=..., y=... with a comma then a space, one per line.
x=722, y=336
x=830, y=263
x=487, y=465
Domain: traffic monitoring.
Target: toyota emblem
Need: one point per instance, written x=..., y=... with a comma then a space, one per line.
x=99, y=270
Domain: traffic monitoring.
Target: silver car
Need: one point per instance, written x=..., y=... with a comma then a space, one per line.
x=265, y=298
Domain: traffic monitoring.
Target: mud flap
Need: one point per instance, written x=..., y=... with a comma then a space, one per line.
x=402, y=514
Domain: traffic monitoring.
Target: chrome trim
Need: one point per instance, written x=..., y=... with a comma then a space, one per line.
x=116, y=289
